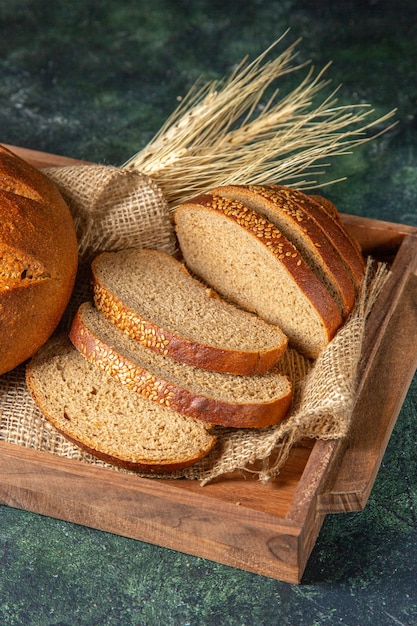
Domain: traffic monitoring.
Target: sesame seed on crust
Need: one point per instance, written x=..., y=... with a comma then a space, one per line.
x=278, y=245
x=329, y=223
x=155, y=388
x=278, y=204
x=184, y=349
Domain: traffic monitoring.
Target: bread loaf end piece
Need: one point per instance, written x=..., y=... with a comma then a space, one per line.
x=38, y=259
x=106, y=419
x=250, y=262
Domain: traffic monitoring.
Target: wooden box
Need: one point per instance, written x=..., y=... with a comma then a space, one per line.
x=269, y=529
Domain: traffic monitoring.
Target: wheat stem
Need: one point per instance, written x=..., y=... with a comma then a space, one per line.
x=221, y=133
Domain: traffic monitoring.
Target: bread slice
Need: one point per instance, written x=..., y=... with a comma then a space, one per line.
x=108, y=420
x=325, y=214
x=152, y=297
x=328, y=206
x=250, y=262
x=277, y=205
x=224, y=399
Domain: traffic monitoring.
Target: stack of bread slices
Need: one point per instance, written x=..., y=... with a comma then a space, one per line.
x=167, y=349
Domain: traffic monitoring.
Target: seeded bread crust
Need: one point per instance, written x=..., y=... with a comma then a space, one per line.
x=38, y=259
x=169, y=341
x=326, y=216
x=328, y=206
x=253, y=231
x=293, y=220
x=106, y=419
x=121, y=358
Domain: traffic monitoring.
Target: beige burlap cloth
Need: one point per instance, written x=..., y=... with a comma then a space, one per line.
x=116, y=208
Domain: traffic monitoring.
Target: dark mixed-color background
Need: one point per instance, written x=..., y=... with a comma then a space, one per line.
x=96, y=79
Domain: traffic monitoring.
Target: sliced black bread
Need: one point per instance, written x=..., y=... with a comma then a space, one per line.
x=326, y=205
x=108, y=420
x=248, y=260
x=225, y=399
x=294, y=221
x=153, y=298
x=325, y=214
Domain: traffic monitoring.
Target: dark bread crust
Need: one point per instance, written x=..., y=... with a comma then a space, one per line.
x=327, y=205
x=178, y=347
x=326, y=216
x=277, y=204
x=38, y=259
x=19, y=177
x=139, y=379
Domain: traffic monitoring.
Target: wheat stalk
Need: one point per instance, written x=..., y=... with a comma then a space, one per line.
x=222, y=133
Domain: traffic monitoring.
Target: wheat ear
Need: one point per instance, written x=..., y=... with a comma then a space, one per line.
x=223, y=132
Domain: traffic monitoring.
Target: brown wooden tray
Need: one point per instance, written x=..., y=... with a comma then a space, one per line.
x=269, y=529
